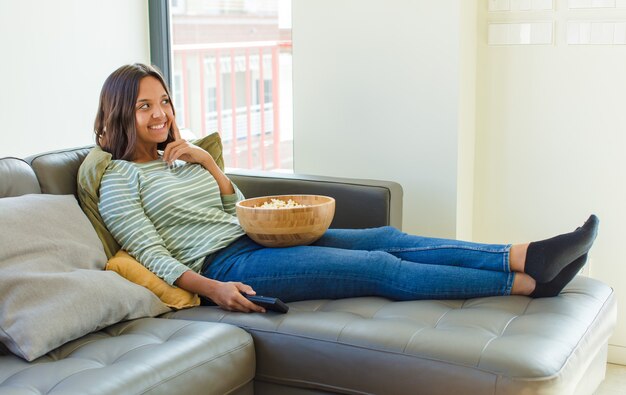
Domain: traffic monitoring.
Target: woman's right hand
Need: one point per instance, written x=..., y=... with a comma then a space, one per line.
x=228, y=295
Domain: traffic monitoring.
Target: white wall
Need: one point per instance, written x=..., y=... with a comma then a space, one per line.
x=376, y=95
x=467, y=120
x=55, y=57
x=550, y=144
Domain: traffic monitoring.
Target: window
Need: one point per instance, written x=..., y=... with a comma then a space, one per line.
x=231, y=67
x=211, y=100
x=267, y=91
x=177, y=98
x=177, y=6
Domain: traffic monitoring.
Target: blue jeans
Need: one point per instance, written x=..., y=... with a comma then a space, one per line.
x=367, y=262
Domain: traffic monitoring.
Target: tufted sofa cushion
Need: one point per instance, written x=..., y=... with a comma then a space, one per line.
x=56, y=170
x=144, y=356
x=17, y=178
x=497, y=345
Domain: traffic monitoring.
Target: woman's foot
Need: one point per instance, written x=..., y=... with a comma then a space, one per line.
x=545, y=259
x=554, y=287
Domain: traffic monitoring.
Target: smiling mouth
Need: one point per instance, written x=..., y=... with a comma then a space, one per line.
x=157, y=127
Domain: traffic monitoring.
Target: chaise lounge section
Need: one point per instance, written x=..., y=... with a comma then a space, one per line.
x=370, y=345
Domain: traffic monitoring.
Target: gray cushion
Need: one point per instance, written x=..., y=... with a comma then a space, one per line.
x=17, y=178
x=57, y=170
x=53, y=286
x=144, y=356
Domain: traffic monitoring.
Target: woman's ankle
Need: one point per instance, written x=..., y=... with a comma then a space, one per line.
x=523, y=284
x=517, y=257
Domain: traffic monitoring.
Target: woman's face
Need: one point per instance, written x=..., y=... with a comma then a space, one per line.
x=153, y=113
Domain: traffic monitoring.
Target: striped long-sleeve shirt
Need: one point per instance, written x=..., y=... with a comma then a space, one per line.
x=168, y=219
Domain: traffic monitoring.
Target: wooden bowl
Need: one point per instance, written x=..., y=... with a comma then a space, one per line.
x=285, y=227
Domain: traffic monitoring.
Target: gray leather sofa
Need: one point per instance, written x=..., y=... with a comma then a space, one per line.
x=497, y=345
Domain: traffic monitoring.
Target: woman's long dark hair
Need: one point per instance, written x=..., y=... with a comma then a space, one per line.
x=115, y=122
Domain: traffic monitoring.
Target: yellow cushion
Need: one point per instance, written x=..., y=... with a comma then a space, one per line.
x=90, y=175
x=127, y=267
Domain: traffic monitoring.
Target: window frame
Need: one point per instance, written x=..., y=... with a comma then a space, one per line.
x=160, y=43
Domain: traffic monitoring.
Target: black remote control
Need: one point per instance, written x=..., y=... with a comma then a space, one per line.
x=269, y=303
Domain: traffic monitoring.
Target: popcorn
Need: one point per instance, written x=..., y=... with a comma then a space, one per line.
x=279, y=203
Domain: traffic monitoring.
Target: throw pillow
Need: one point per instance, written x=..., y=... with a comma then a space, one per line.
x=90, y=175
x=127, y=267
x=53, y=287
x=213, y=145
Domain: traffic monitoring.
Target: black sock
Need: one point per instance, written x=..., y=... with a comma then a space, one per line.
x=554, y=287
x=546, y=258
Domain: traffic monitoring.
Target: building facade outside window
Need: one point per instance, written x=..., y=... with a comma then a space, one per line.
x=231, y=73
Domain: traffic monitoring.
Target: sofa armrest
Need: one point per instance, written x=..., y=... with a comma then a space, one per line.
x=359, y=203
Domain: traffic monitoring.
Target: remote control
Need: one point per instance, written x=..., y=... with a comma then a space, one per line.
x=268, y=303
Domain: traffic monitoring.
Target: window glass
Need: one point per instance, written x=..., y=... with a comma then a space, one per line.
x=231, y=68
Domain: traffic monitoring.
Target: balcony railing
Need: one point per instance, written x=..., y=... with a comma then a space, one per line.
x=244, y=117
x=237, y=74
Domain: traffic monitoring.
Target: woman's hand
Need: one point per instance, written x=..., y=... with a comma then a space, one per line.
x=184, y=150
x=226, y=295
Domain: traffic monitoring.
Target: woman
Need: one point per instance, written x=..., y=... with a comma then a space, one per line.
x=170, y=206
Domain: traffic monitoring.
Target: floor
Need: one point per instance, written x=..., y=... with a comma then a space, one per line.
x=615, y=381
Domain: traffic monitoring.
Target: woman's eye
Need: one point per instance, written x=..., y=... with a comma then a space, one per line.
x=166, y=101
x=144, y=107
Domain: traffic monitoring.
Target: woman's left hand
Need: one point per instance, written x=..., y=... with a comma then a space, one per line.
x=184, y=150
